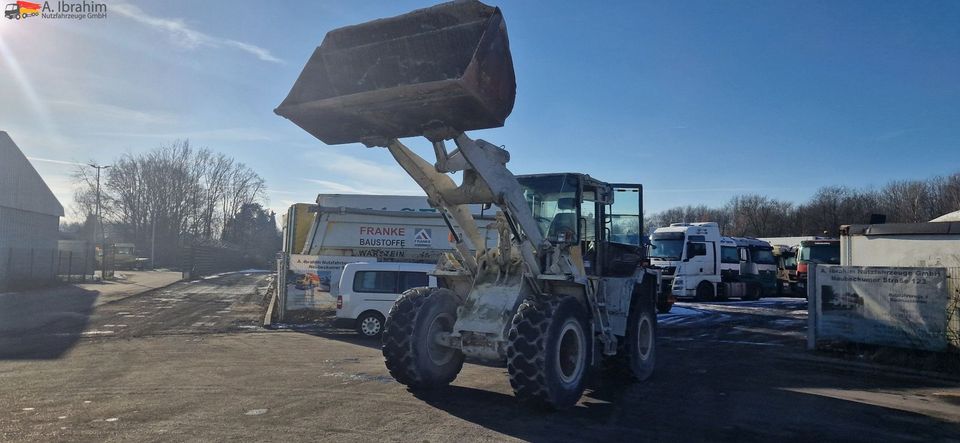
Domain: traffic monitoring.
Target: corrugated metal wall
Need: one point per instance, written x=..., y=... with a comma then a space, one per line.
x=28, y=246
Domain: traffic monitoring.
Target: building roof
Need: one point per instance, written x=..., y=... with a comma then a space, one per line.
x=21, y=187
x=951, y=217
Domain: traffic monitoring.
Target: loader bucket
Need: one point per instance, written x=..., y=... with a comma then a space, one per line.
x=434, y=72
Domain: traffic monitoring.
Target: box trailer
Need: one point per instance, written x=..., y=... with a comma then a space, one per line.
x=319, y=240
x=931, y=244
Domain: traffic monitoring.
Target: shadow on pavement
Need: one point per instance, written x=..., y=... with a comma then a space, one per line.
x=43, y=324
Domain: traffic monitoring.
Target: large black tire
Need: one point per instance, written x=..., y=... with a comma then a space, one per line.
x=409, y=350
x=705, y=291
x=637, y=351
x=549, y=352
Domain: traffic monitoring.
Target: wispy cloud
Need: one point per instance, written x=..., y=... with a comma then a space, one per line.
x=59, y=162
x=111, y=113
x=226, y=134
x=188, y=37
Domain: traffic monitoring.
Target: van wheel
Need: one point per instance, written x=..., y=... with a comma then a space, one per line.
x=370, y=324
x=705, y=291
x=411, y=349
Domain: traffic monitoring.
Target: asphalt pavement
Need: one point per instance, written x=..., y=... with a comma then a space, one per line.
x=190, y=363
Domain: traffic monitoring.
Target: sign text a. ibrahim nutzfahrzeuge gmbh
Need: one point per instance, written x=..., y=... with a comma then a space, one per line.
x=73, y=10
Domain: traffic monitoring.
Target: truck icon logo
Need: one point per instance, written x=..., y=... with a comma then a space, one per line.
x=21, y=9
x=422, y=238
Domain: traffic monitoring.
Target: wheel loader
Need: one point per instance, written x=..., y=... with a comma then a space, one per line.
x=565, y=290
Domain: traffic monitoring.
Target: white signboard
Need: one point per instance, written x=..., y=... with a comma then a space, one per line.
x=312, y=280
x=902, y=307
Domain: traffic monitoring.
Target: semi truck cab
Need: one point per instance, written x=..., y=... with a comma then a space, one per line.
x=689, y=255
x=12, y=11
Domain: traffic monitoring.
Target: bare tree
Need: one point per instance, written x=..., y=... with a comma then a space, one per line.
x=171, y=195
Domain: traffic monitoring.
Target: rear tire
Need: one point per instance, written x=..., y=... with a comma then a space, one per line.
x=410, y=350
x=549, y=352
x=753, y=293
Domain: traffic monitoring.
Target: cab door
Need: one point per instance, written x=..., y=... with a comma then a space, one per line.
x=701, y=256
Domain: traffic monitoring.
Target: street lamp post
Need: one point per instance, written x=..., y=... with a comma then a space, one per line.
x=103, y=234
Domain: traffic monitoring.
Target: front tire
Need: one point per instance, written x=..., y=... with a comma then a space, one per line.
x=549, y=352
x=637, y=351
x=410, y=347
x=705, y=291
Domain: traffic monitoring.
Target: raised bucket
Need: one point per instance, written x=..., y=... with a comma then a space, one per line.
x=432, y=72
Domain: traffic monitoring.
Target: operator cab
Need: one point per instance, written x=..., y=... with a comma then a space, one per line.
x=601, y=220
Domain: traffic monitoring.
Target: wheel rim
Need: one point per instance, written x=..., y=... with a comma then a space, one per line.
x=571, y=353
x=370, y=325
x=438, y=353
x=644, y=337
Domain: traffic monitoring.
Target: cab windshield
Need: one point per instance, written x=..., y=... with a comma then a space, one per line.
x=552, y=198
x=666, y=245
x=763, y=256
x=826, y=253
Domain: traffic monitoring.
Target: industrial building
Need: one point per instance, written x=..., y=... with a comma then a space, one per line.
x=29, y=220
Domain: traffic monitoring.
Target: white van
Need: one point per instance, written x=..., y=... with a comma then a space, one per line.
x=368, y=290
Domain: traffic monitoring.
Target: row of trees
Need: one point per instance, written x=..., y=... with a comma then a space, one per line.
x=176, y=195
x=755, y=215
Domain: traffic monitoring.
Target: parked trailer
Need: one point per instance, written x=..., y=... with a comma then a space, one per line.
x=320, y=240
x=931, y=244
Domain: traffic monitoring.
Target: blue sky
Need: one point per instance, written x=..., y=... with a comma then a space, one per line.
x=697, y=100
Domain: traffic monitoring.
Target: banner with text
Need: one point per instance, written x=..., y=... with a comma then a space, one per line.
x=313, y=280
x=902, y=307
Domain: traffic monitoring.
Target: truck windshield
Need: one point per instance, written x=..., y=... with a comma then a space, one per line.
x=666, y=245
x=763, y=256
x=552, y=198
x=790, y=262
x=824, y=253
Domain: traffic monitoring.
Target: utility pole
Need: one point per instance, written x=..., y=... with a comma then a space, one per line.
x=103, y=234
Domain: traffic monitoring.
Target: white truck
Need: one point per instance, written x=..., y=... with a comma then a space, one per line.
x=700, y=264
